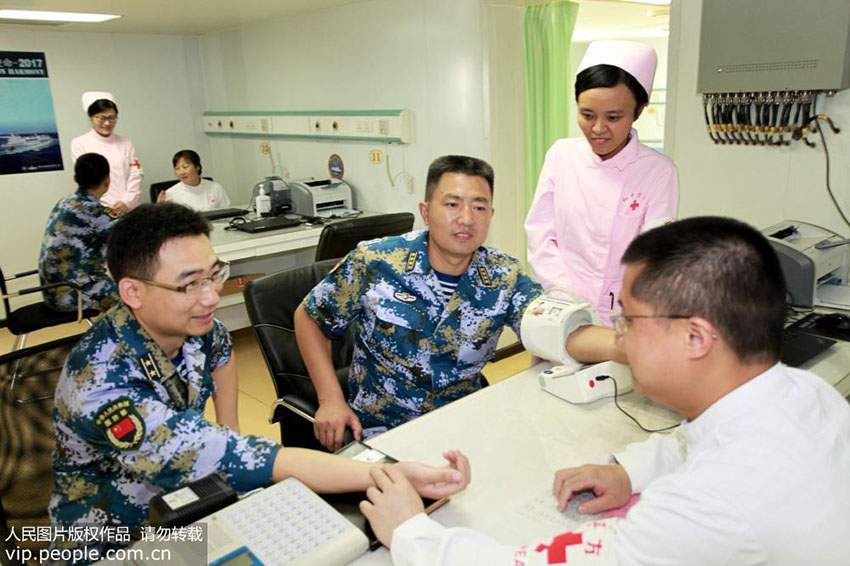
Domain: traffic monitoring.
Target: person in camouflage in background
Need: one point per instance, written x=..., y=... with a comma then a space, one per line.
x=428, y=306
x=74, y=245
x=129, y=404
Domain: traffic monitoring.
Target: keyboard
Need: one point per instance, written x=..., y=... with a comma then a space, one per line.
x=798, y=346
x=219, y=213
x=283, y=524
x=276, y=223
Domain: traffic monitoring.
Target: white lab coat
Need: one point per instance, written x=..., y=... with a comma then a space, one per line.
x=761, y=477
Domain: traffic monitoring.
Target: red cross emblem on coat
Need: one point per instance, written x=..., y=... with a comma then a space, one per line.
x=633, y=202
x=556, y=551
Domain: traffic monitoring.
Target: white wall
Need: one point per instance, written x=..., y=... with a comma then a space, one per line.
x=760, y=185
x=157, y=83
x=506, y=69
x=434, y=57
x=428, y=56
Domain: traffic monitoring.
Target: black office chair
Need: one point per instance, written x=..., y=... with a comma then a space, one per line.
x=27, y=440
x=157, y=188
x=35, y=316
x=8, y=546
x=339, y=238
x=271, y=302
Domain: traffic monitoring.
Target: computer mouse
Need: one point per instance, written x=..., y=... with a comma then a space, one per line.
x=833, y=321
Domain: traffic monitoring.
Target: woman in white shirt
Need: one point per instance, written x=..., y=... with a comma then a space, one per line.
x=193, y=191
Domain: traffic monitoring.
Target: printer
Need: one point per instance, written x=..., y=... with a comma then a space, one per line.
x=325, y=197
x=279, y=193
x=814, y=261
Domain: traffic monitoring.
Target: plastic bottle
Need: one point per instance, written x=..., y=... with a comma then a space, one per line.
x=263, y=204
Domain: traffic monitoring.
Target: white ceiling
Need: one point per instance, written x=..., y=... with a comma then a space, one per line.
x=601, y=19
x=183, y=17
x=196, y=17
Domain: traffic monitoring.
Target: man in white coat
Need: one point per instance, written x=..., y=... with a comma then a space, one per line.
x=756, y=474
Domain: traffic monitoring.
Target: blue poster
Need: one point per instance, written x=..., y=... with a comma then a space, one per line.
x=29, y=142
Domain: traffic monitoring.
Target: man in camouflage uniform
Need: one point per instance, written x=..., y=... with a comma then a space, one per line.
x=428, y=306
x=129, y=404
x=74, y=245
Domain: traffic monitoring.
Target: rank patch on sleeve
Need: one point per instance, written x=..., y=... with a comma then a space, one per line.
x=485, y=277
x=411, y=261
x=149, y=366
x=121, y=424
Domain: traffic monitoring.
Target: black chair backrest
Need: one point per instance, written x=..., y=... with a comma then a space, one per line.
x=157, y=188
x=271, y=302
x=339, y=238
x=6, y=306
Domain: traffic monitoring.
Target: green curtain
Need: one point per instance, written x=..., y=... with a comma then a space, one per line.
x=548, y=29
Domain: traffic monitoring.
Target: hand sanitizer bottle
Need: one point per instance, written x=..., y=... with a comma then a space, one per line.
x=263, y=204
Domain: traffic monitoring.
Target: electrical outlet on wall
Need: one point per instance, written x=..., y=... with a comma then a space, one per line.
x=265, y=148
x=410, y=185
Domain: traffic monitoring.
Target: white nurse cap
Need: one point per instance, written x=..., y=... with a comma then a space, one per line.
x=91, y=96
x=637, y=59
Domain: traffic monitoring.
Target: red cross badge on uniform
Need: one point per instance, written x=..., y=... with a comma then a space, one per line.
x=633, y=203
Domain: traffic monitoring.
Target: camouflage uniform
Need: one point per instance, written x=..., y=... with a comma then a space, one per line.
x=74, y=249
x=414, y=352
x=128, y=426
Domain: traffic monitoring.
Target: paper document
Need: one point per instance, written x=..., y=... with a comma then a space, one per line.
x=536, y=517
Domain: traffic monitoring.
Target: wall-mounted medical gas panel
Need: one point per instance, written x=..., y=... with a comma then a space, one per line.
x=774, y=45
x=368, y=125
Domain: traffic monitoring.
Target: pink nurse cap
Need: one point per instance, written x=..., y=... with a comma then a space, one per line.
x=637, y=59
x=91, y=96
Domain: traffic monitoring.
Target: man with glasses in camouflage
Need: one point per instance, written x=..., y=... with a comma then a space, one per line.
x=129, y=403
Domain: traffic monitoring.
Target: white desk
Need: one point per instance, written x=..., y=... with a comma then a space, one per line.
x=265, y=252
x=516, y=436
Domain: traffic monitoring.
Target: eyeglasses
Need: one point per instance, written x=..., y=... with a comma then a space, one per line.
x=621, y=321
x=106, y=119
x=198, y=287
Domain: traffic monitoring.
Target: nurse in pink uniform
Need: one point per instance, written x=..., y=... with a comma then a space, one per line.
x=125, y=172
x=596, y=194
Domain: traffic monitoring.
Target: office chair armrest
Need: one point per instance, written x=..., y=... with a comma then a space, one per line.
x=38, y=288
x=305, y=410
x=22, y=274
x=297, y=405
x=30, y=290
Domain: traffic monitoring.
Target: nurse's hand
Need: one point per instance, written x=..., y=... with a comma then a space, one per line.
x=331, y=420
x=610, y=484
x=161, y=196
x=121, y=208
x=392, y=501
